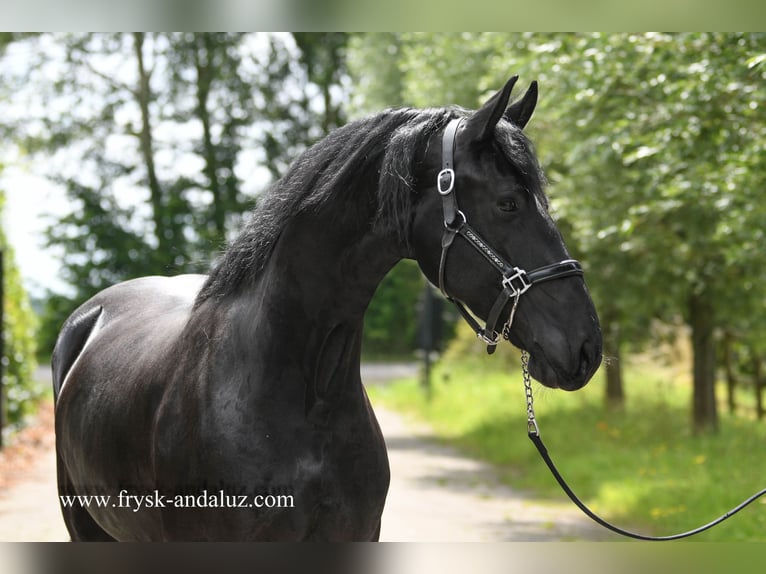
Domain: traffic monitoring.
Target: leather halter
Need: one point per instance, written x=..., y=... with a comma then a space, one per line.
x=514, y=281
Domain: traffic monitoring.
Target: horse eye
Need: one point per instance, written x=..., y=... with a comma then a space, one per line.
x=507, y=205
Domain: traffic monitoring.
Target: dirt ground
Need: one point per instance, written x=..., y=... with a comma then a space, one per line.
x=29, y=509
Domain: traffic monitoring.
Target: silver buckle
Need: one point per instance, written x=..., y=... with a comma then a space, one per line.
x=482, y=335
x=522, y=277
x=451, y=186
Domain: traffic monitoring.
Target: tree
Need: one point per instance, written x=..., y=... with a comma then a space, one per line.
x=145, y=134
x=101, y=115
x=218, y=100
x=303, y=90
x=18, y=387
x=162, y=141
x=374, y=64
x=651, y=144
x=324, y=60
x=658, y=136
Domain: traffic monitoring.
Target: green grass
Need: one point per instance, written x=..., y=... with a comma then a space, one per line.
x=642, y=468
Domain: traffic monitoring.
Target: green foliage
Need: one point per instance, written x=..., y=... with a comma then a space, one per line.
x=417, y=69
x=300, y=93
x=653, y=145
x=173, y=136
x=18, y=329
x=142, y=131
x=381, y=53
x=641, y=468
x=220, y=100
x=323, y=56
x=465, y=348
x=657, y=138
x=390, y=324
x=441, y=69
x=21, y=393
x=162, y=141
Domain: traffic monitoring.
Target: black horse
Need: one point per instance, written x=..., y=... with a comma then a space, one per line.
x=214, y=390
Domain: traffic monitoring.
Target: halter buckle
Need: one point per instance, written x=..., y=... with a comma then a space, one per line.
x=486, y=339
x=521, y=277
x=445, y=188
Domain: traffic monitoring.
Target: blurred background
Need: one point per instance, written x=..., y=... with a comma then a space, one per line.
x=132, y=154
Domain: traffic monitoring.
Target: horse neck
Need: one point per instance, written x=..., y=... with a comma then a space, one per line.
x=313, y=291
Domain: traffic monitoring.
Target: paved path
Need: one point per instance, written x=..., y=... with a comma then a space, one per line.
x=29, y=509
x=440, y=495
x=436, y=495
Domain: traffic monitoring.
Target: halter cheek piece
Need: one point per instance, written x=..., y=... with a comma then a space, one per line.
x=514, y=281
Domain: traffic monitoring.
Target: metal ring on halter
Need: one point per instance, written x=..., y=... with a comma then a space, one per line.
x=462, y=216
x=513, y=285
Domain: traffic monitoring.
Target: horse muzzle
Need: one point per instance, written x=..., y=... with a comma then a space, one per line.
x=570, y=370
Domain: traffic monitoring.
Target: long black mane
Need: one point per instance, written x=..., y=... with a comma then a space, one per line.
x=381, y=149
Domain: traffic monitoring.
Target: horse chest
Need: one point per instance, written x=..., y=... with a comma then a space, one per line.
x=336, y=475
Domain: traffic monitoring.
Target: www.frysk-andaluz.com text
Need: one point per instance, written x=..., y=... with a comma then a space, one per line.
x=204, y=499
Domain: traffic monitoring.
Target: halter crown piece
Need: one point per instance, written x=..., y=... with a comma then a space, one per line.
x=514, y=281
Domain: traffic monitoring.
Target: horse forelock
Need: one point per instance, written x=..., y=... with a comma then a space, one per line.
x=519, y=151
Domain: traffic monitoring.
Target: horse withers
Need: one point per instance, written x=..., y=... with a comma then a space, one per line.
x=230, y=406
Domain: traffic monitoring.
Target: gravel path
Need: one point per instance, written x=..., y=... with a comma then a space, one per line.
x=436, y=494
x=29, y=509
x=439, y=495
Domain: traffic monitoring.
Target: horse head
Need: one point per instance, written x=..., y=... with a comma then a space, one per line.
x=482, y=231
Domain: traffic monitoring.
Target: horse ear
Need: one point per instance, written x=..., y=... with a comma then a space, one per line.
x=481, y=125
x=521, y=110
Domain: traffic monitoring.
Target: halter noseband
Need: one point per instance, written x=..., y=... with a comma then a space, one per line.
x=514, y=282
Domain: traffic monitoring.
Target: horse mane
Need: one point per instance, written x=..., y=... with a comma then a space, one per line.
x=385, y=147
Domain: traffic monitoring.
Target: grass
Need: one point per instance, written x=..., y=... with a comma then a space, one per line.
x=641, y=468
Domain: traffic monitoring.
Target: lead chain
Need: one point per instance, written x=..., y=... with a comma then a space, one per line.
x=507, y=327
x=532, y=427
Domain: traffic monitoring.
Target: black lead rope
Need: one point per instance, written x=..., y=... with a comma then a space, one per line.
x=534, y=435
x=515, y=282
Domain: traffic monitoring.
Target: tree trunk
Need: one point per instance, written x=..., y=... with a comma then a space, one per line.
x=758, y=384
x=163, y=228
x=731, y=378
x=615, y=395
x=701, y=320
x=202, y=60
x=330, y=118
